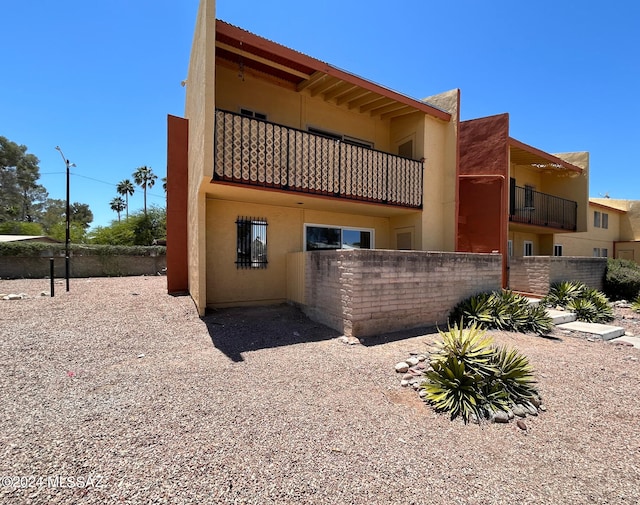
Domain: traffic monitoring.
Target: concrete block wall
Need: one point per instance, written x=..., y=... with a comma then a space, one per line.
x=33, y=267
x=368, y=292
x=535, y=274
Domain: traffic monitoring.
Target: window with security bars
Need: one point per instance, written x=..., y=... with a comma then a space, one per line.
x=252, y=242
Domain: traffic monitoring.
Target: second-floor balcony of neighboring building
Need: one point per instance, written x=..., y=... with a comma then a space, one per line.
x=528, y=206
x=254, y=152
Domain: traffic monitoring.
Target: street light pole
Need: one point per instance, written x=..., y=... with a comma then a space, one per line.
x=67, y=241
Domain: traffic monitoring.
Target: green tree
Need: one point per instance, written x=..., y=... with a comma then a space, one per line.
x=126, y=189
x=20, y=194
x=145, y=178
x=20, y=228
x=55, y=210
x=117, y=204
x=137, y=230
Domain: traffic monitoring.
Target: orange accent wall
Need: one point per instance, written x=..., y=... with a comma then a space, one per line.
x=177, y=193
x=483, y=187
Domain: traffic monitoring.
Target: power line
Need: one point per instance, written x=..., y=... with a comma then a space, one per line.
x=97, y=180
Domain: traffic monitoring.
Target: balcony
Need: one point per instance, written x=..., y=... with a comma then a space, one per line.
x=532, y=207
x=254, y=152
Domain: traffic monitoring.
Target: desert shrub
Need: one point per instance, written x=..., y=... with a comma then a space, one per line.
x=588, y=304
x=561, y=293
x=622, y=280
x=635, y=305
x=471, y=377
x=501, y=310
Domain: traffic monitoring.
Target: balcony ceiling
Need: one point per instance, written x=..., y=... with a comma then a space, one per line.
x=526, y=155
x=245, y=51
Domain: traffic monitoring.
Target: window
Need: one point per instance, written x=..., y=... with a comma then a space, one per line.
x=254, y=114
x=605, y=220
x=319, y=238
x=596, y=219
x=557, y=249
x=528, y=248
x=604, y=252
x=510, y=248
x=406, y=149
x=528, y=196
x=343, y=138
x=251, y=242
x=596, y=252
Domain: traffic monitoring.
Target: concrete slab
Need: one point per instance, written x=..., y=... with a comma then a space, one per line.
x=561, y=316
x=604, y=331
x=634, y=341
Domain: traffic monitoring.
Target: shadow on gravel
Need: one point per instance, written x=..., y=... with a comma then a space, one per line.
x=385, y=338
x=242, y=329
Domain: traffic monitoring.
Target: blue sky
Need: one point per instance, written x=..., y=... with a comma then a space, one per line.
x=98, y=77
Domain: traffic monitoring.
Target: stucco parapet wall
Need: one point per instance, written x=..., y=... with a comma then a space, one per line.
x=387, y=290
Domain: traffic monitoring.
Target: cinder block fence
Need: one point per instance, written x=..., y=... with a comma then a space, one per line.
x=368, y=292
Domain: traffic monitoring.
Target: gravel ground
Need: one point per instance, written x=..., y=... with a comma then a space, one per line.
x=118, y=393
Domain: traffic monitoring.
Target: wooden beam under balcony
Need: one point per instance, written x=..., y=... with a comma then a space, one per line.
x=323, y=85
x=352, y=95
x=381, y=102
x=340, y=89
x=365, y=99
x=391, y=107
x=315, y=77
x=397, y=113
x=260, y=59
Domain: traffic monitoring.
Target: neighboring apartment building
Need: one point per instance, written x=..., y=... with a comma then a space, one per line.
x=613, y=231
x=514, y=198
x=281, y=153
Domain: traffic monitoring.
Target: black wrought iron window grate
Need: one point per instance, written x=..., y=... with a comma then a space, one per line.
x=251, y=243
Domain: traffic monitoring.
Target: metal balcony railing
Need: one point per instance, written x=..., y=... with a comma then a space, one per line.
x=259, y=153
x=540, y=209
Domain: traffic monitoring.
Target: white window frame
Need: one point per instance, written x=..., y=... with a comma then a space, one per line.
x=341, y=228
x=557, y=248
x=596, y=252
x=510, y=248
x=528, y=243
x=597, y=219
x=252, y=114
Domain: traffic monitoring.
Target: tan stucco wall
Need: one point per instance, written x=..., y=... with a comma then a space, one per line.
x=228, y=286
x=575, y=187
x=298, y=110
x=582, y=244
x=630, y=222
x=440, y=175
x=200, y=98
x=519, y=239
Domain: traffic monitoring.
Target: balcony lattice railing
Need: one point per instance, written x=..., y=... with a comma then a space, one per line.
x=259, y=153
x=532, y=207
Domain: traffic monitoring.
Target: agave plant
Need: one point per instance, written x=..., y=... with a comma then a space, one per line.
x=635, y=305
x=539, y=321
x=585, y=310
x=601, y=302
x=515, y=375
x=561, y=293
x=477, y=309
x=469, y=376
x=502, y=310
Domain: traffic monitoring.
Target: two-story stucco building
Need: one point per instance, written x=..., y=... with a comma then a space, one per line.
x=282, y=159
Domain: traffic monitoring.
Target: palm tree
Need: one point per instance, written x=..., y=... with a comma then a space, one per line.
x=117, y=205
x=126, y=189
x=145, y=178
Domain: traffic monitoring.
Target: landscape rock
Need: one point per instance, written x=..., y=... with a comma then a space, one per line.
x=412, y=361
x=402, y=367
x=519, y=411
x=404, y=383
x=501, y=417
x=521, y=424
